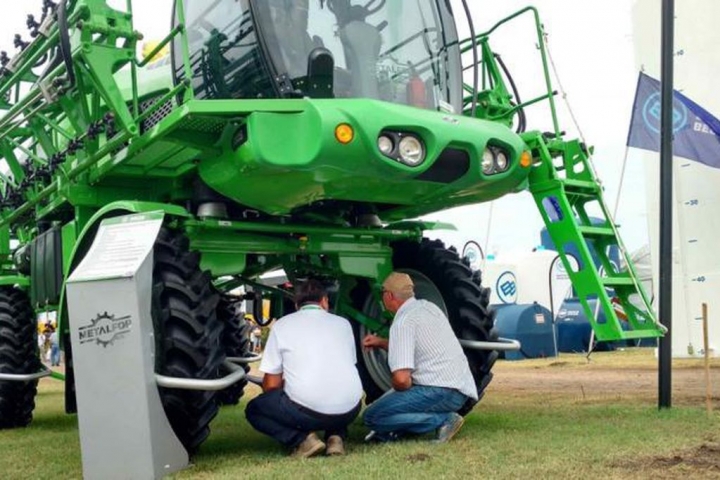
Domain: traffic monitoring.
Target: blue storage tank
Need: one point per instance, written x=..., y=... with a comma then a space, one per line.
x=531, y=325
x=573, y=329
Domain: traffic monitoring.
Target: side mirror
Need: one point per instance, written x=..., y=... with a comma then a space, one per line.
x=321, y=73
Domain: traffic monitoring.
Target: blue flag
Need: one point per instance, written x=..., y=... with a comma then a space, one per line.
x=696, y=133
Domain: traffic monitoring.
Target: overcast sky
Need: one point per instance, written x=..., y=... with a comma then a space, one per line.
x=591, y=44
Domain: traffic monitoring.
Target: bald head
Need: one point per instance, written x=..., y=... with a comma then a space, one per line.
x=400, y=285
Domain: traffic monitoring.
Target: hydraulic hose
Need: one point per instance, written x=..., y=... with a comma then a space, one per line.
x=522, y=119
x=65, y=48
x=476, y=59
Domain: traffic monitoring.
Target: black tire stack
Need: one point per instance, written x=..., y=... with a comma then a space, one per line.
x=18, y=355
x=188, y=336
x=236, y=343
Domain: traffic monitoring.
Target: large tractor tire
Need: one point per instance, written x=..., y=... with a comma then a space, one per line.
x=188, y=336
x=236, y=343
x=18, y=355
x=441, y=277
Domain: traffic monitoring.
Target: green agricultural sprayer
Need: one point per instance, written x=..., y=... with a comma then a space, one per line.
x=302, y=135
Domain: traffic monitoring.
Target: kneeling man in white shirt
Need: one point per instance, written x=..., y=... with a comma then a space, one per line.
x=311, y=382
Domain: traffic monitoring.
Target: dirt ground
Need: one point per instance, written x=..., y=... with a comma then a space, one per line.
x=698, y=463
x=631, y=375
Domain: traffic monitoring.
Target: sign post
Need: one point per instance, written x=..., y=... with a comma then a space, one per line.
x=124, y=432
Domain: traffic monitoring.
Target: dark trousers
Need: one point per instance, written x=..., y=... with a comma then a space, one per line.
x=274, y=414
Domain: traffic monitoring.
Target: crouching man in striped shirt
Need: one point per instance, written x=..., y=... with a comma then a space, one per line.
x=431, y=377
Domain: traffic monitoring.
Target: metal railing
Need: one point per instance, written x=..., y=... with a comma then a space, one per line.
x=503, y=344
x=26, y=377
x=233, y=364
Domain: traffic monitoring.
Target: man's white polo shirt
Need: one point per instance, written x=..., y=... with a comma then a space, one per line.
x=315, y=352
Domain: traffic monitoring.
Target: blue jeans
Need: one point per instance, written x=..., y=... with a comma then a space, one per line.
x=417, y=410
x=55, y=355
x=276, y=415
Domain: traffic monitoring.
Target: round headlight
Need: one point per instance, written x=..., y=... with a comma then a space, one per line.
x=501, y=161
x=411, y=151
x=386, y=145
x=488, y=162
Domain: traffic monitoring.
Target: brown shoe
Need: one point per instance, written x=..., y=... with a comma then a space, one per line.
x=448, y=429
x=335, y=446
x=309, y=447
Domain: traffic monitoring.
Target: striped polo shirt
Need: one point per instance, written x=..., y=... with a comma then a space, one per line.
x=422, y=340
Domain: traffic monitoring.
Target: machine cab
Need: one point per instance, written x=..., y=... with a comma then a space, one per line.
x=399, y=52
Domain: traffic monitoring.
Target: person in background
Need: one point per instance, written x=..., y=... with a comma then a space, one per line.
x=55, y=349
x=41, y=345
x=311, y=382
x=431, y=378
x=47, y=331
x=255, y=339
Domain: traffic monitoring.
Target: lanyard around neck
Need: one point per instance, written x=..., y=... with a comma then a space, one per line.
x=311, y=307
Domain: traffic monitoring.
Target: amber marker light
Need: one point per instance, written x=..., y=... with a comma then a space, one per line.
x=525, y=159
x=344, y=133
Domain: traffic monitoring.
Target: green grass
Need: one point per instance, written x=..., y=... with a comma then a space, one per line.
x=503, y=443
x=529, y=436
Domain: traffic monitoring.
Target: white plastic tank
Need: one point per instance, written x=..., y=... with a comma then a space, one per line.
x=527, y=277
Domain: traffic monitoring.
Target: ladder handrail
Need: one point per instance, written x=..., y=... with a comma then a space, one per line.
x=562, y=201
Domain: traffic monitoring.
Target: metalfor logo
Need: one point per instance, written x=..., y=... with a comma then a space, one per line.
x=105, y=329
x=652, y=109
x=506, y=287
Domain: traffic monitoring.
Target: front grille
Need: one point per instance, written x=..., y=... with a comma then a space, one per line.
x=452, y=165
x=157, y=115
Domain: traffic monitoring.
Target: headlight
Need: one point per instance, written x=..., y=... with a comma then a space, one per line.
x=386, y=145
x=488, y=162
x=501, y=160
x=495, y=160
x=411, y=150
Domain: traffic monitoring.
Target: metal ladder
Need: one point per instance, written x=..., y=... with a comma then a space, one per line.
x=565, y=187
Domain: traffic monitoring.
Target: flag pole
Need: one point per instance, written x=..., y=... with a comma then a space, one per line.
x=666, y=204
x=620, y=186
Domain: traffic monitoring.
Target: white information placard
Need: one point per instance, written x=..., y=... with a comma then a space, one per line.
x=120, y=246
